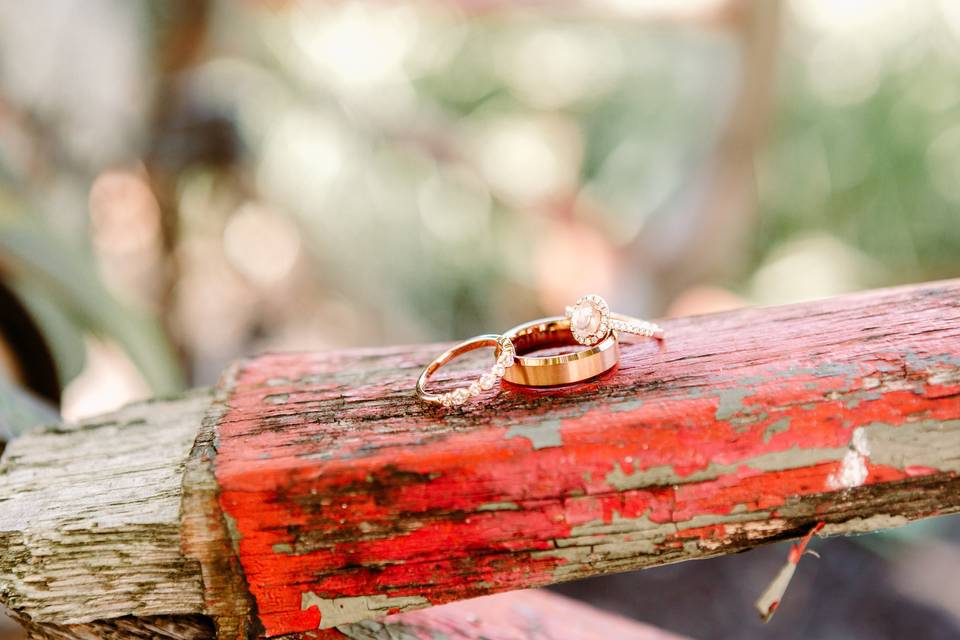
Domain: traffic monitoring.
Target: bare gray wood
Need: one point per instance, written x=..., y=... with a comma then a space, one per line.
x=90, y=516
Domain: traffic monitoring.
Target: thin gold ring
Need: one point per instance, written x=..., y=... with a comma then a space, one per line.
x=566, y=368
x=504, y=362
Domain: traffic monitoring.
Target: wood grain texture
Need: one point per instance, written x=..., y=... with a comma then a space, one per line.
x=348, y=499
x=90, y=516
x=206, y=539
x=180, y=627
x=311, y=493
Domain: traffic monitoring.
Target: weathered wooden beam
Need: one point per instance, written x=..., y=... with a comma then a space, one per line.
x=318, y=492
x=90, y=516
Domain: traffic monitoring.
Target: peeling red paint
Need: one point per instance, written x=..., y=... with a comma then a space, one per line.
x=672, y=436
x=797, y=549
x=914, y=470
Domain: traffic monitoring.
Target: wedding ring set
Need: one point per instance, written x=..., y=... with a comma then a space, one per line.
x=589, y=323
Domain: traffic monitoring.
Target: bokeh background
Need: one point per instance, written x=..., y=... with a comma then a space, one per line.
x=183, y=182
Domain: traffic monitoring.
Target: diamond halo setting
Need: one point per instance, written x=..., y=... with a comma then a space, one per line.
x=589, y=319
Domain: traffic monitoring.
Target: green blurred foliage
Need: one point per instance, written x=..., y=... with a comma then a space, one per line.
x=866, y=145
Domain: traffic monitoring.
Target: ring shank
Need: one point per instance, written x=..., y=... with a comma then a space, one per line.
x=479, y=342
x=566, y=368
x=638, y=326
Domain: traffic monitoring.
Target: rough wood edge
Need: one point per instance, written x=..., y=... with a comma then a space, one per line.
x=206, y=537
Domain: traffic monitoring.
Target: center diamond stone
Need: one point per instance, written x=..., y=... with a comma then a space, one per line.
x=586, y=317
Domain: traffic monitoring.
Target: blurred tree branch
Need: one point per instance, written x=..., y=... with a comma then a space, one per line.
x=696, y=236
x=181, y=33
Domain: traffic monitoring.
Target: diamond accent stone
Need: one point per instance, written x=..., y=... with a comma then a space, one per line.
x=506, y=353
x=487, y=381
x=586, y=317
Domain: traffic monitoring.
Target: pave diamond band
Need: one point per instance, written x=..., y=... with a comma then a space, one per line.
x=505, y=354
x=591, y=321
x=636, y=327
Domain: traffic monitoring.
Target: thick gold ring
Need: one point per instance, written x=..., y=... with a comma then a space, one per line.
x=504, y=362
x=566, y=368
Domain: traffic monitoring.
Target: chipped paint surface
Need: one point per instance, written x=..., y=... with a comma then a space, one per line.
x=853, y=469
x=337, y=611
x=543, y=435
x=780, y=426
x=711, y=442
x=499, y=506
x=865, y=525
x=730, y=402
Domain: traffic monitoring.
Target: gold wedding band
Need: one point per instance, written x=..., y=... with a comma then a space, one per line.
x=504, y=362
x=566, y=368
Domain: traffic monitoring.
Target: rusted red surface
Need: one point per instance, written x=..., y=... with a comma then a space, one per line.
x=347, y=497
